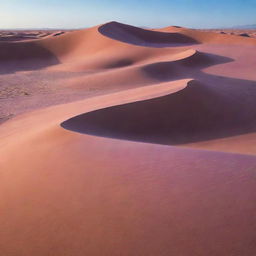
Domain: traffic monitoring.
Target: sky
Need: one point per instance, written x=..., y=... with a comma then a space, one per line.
x=147, y=13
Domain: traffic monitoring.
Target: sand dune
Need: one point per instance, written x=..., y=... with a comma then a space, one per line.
x=138, y=36
x=97, y=45
x=197, y=113
x=157, y=157
x=209, y=36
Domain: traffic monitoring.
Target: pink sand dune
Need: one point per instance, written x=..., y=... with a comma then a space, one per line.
x=128, y=142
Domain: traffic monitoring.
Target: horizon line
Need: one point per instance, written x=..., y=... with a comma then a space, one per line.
x=241, y=26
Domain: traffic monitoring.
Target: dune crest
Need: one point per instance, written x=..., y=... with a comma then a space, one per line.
x=143, y=37
x=202, y=114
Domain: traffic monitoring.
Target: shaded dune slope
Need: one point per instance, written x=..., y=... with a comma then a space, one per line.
x=112, y=45
x=196, y=113
x=187, y=63
x=131, y=58
x=86, y=49
x=189, y=66
x=17, y=56
x=143, y=37
x=191, y=115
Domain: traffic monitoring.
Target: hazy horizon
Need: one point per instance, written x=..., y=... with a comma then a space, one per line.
x=239, y=26
x=56, y=14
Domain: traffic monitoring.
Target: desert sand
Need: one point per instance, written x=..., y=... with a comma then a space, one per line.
x=128, y=141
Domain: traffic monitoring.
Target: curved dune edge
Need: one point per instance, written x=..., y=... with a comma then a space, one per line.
x=143, y=37
x=66, y=190
x=147, y=92
x=96, y=45
x=68, y=50
x=168, y=36
x=124, y=59
x=125, y=96
x=187, y=63
x=182, y=118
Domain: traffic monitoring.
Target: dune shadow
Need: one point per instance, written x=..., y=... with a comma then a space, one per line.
x=22, y=56
x=184, y=68
x=120, y=63
x=225, y=107
x=142, y=37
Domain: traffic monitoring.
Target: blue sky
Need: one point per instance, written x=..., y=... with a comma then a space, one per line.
x=152, y=13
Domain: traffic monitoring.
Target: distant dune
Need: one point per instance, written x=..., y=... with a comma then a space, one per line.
x=127, y=141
